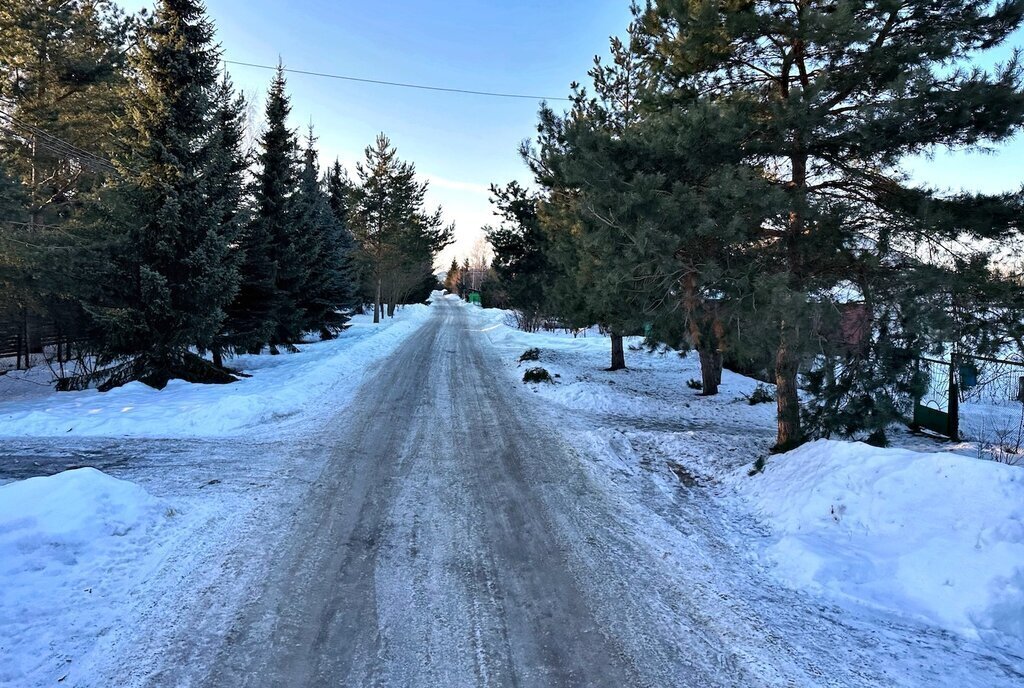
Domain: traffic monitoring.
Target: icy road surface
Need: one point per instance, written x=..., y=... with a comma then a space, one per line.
x=443, y=532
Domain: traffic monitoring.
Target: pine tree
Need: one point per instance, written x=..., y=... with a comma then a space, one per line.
x=521, y=253
x=398, y=239
x=827, y=99
x=600, y=281
x=61, y=64
x=176, y=274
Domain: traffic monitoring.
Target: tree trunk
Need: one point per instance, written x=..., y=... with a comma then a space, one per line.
x=618, y=354
x=376, y=304
x=218, y=357
x=787, y=397
x=710, y=371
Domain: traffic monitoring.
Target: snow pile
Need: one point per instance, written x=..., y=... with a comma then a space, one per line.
x=281, y=387
x=75, y=540
x=937, y=535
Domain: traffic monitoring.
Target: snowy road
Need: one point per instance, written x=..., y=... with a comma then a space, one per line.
x=442, y=531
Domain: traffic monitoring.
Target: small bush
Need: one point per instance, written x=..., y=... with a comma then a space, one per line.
x=537, y=375
x=694, y=384
x=530, y=355
x=760, y=395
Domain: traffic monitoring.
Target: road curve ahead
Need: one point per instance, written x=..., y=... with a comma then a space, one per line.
x=439, y=548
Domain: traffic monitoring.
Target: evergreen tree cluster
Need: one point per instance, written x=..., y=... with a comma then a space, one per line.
x=732, y=183
x=133, y=216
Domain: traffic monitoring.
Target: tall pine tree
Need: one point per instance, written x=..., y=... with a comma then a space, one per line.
x=829, y=97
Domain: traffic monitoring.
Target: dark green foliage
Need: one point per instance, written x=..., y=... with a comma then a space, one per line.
x=228, y=170
x=760, y=395
x=537, y=375
x=530, y=355
x=521, y=253
x=61, y=64
x=276, y=217
x=822, y=106
x=326, y=293
x=398, y=239
x=339, y=198
x=174, y=274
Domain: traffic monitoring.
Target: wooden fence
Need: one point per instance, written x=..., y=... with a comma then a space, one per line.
x=22, y=337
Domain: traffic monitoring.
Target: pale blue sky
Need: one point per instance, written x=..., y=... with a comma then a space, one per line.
x=461, y=143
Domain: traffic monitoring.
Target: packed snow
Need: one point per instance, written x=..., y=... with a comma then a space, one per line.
x=90, y=562
x=72, y=546
x=281, y=387
x=933, y=534
x=887, y=544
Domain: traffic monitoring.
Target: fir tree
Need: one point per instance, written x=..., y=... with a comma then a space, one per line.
x=273, y=235
x=453, y=278
x=227, y=188
x=61, y=64
x=325, y=293
x=339, y=198
x=176, y=273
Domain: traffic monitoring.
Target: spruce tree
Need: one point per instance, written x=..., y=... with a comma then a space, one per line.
x=324, y=295
x=453, y=278
x=61, y=64
x=176, y=274
x=229, y=166
x=339, y=198
x=273, y=235
x=827, y=99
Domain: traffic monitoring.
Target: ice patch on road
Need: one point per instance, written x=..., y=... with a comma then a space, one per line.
x=71, y=544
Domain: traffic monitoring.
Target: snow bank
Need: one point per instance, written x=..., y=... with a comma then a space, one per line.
x=936, y=535
x=71, y=540
x=281, y=387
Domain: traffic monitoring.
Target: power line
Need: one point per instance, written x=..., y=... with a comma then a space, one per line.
x=56, y=144
x=491, y=94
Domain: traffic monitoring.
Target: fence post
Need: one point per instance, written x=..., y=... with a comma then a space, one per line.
x=953, y=408
x=1020, y=389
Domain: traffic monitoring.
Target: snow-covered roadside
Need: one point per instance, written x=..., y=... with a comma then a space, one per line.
x=71, y=544
x=934, y=537
x=95, y=569
x=282, y=387
x=933, y=534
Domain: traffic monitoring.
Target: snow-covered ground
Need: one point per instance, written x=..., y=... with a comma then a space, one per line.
x=71, y=545
x=854, y=551
x=925, y=535
x=90, y=561
x=932, y=534
x=280, y=388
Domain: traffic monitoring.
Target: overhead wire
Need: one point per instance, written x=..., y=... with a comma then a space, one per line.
x=54, y=143
x=398, y=84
